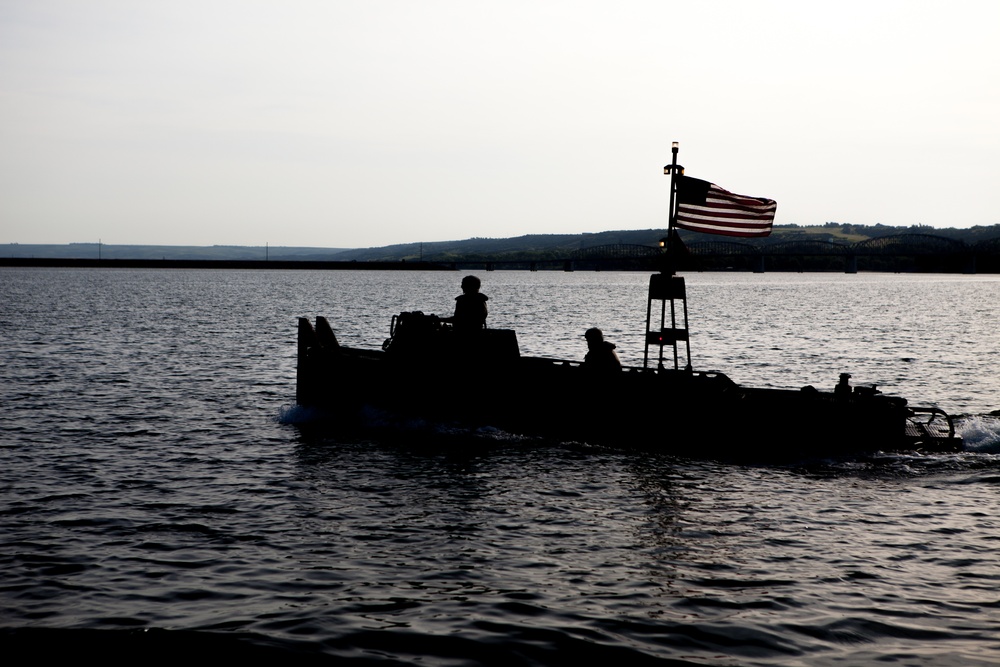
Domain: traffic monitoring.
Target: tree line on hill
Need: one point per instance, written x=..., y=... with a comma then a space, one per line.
x=531, y=247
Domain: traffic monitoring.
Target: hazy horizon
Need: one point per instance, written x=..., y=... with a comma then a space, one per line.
x=354, y=125
x=286, y=246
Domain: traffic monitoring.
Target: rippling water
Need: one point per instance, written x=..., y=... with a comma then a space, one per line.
x=159, y=497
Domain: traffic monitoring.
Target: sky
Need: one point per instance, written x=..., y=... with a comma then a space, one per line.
x=335, y=123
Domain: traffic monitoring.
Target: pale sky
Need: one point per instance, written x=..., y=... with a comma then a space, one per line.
x=372, y=122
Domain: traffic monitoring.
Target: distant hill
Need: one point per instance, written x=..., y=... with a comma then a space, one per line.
x=836, y=232
x=176, y=252
x=528, y=247
x=532, y=246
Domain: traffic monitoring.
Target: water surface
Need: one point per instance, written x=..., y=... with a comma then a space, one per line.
x=154, y=480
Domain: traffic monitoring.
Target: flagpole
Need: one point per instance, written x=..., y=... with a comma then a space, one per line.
x=672, y=170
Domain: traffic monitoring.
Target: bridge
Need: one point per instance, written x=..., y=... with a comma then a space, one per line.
x=896, y=253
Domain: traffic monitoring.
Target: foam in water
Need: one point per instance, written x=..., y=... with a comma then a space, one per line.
x=383, y=421
x=981, y=433
x=297, y=414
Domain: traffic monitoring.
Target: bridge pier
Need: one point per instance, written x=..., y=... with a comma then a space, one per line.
x=850, y=263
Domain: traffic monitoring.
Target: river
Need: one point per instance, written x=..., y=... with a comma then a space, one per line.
x=160, y=497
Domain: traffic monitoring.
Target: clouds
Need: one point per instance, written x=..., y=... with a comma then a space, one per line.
x=356, y=124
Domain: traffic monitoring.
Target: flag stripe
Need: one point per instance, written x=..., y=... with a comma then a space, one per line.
x=705, y=207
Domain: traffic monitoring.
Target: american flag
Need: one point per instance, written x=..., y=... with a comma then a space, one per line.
x=705, y=207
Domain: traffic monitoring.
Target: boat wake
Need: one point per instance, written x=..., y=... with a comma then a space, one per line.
x=298, y=414
x=981, y=433
x=389, y=424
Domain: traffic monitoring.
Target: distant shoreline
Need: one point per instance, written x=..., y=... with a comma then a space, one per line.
x=70, y=262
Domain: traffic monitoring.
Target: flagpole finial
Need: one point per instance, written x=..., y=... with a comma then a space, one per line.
x=673, y=168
